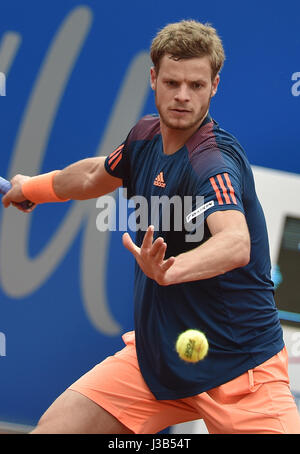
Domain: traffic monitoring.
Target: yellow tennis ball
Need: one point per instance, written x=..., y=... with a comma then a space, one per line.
x=192, y=345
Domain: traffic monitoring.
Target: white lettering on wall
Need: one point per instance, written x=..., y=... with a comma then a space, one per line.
x=2, y=84
x=21, y=275
x=2, y=344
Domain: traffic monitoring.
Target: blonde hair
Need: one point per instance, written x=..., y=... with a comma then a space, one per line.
x=188, y=39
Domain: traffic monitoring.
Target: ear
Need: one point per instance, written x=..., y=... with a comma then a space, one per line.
x=153, y=78
x=215, y=84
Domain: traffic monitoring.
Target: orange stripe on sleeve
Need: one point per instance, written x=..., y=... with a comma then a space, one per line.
x=117, y=149
x=214, y=185
x=115, y=153
x=231, y=190
x=116, y=161
x=222, y=185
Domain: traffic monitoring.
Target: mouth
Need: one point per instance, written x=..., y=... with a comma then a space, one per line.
x=180, y=111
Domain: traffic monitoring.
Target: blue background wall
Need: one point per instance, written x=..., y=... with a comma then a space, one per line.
x=51, y=333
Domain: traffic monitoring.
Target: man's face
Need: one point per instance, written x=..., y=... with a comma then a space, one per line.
x=183, y=90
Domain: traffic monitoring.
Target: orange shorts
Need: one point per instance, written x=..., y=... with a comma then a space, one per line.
x=257, y=402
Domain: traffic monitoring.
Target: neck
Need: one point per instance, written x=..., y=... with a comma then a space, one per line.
x=174, y=139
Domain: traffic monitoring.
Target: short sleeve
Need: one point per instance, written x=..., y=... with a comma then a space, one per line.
x=218, y=176
x=114, y=163
x=221, y=192
x=117, y=164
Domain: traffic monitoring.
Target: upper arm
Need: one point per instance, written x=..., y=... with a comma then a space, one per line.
x=85, y=179
x=231, y=224
x=110, y=171
x=100, y=181
x=228, y=220
x=226, y=215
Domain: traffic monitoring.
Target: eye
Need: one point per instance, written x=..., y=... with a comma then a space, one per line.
x=196, y=85
x=171, y=83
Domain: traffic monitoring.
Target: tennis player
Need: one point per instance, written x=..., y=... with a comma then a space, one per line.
x=218, y=283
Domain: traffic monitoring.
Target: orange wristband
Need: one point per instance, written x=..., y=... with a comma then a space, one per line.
x=40, y=189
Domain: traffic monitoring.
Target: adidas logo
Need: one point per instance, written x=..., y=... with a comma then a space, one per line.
x=159, y=180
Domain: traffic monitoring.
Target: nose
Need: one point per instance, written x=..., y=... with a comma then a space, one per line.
x=182, y=94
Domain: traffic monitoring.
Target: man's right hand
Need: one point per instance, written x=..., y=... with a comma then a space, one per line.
x=15, y=195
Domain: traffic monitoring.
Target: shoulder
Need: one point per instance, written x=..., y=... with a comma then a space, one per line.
x=145, y=129
x=212, y=150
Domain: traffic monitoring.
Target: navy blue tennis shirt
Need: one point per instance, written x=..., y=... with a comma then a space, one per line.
x=236, y=310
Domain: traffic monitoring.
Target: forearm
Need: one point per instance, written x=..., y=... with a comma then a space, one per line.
x=218, y=255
